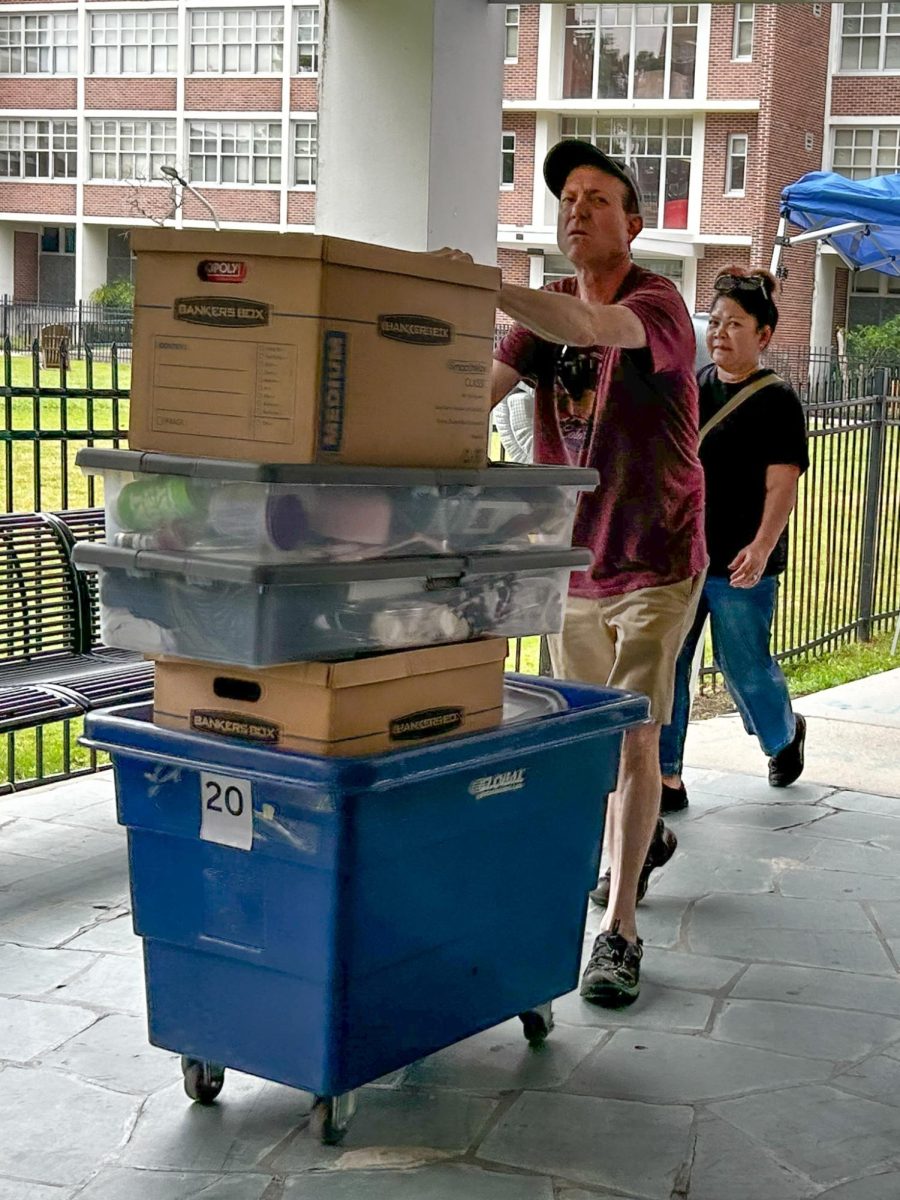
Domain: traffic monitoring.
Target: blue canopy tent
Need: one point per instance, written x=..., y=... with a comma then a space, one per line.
x=858, y=218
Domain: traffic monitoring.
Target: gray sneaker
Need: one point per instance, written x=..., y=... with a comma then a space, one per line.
x=612, y=977
x=661, y=850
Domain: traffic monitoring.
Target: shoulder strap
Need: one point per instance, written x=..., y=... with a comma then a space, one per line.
x=737, y=399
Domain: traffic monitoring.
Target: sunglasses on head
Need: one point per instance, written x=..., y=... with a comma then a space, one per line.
x=743, y=283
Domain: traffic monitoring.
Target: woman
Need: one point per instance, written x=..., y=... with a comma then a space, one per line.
x=752, y=458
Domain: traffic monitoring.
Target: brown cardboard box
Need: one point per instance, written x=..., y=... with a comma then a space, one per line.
x=363, y=706
x=290, y=347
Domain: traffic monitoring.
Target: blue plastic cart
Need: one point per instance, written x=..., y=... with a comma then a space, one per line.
x=323, y=921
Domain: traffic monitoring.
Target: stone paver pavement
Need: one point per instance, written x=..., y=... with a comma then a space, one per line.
x=762, y=1061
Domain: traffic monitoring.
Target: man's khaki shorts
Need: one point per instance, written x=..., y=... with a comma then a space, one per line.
x=629, y=641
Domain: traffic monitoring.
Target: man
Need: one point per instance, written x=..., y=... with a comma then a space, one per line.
x=611, y=355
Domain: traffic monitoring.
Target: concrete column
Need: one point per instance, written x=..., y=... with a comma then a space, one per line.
x=7, y=257
x=91, y=261
x=409, y=123
x=823, y=298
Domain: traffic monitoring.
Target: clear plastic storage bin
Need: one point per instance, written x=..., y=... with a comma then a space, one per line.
x=331, y=513
x=258, y=615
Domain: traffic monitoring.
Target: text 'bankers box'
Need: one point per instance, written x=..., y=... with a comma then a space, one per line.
x=298, y=348
x=382, y=702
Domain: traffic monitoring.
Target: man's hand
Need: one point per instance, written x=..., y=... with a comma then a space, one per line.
x=748, y=565
x=449, y=252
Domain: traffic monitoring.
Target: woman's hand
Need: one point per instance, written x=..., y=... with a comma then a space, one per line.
x=747, y=566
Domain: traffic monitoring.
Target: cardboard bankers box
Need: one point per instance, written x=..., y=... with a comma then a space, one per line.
x=363, y=706
x=297, y=348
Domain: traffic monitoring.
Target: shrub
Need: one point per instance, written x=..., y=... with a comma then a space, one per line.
x=119, y=294
x=877, y=345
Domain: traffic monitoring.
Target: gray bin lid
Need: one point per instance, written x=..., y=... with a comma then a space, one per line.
x=94, y=460
x=94, y=555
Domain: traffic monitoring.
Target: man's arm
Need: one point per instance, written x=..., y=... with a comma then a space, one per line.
x=565, y=319
x=781, y=495
x=503, y=379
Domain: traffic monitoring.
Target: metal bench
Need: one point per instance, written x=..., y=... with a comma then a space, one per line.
x=52, y=664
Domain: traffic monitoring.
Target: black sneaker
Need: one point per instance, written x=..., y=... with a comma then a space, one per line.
x=612, y=977
x=787, y=764
x=661, y=850
x=672, y=800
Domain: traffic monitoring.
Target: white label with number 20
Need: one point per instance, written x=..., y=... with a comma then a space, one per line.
x=226, y=810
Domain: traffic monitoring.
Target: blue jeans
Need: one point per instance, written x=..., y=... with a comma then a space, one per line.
x=741, y=620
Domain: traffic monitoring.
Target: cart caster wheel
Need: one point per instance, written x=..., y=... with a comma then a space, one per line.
x=329, y=1118
x=202, y=1080
x=536, y=1024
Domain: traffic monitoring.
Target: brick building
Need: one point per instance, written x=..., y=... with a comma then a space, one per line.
x=717, y=107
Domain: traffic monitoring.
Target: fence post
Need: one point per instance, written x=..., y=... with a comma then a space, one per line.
x=79, y=340
x=871, y=511
x=5, y=316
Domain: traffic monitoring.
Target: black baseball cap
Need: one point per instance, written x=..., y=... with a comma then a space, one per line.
x=565, y=156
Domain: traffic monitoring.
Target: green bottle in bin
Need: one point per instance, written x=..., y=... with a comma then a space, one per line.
x=146, y=504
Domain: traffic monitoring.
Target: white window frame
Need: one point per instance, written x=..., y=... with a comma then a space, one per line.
x=130, y=36
x=671, y=25
x=507, y=154
x=512, y=21
x=305, y=136
x=237, y=41
x=887, y=15
x=307, y=19
x=885, y=285
x=731, y=157
x=631, y=131
x=48, y=137
x=144, y=143
x=883, y=143
x=224, y=141
x=741, y=21
x=62, y=231
x=46, y=43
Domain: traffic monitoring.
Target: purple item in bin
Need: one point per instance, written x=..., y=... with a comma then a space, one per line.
x=239, y=514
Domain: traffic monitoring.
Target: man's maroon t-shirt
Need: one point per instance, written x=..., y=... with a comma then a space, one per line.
x=632, y=415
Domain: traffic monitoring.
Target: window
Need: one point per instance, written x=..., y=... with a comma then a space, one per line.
x=56, y=240
x=742, y=45
x=870, y=37
x=507, y=160
x=44, y=44
x=305, y=150
x=736, y=165
x=861, y=153
x=307, y=40
x=236, y=41
x=37, y=149
x=133, y=43
x=129, y=149
x=234, y=151
x=629, y=51
x=556, y=266
x=513, y=12
x=658, y=150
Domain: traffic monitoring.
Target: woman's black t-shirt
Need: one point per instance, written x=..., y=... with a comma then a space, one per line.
x=767, y=429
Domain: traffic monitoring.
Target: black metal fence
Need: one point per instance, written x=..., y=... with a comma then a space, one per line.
x=48, y=414
x=843, y=578
x=842, y=584
x=85, y=324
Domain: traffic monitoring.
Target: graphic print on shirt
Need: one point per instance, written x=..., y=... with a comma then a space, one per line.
x=575, y=376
